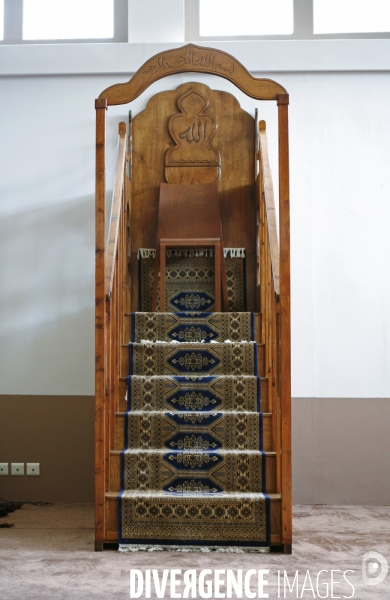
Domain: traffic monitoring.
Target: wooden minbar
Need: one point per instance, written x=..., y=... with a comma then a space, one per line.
x=202, y=144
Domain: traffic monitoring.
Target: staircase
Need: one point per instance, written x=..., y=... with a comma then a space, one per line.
x=193, y=457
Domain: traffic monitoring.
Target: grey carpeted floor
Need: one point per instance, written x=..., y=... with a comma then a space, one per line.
x=48, y=554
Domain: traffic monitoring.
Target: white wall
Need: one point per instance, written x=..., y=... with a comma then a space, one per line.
x=340, y=188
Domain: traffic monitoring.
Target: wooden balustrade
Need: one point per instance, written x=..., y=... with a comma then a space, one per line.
x=112, y=298
x=272, y=299
x=116, y=211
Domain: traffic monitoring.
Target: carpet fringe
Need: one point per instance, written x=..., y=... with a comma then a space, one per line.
x=178, y=548
x=144, y=341
x=190, y=252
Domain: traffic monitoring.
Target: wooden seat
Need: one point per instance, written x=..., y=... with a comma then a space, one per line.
x=189, y=216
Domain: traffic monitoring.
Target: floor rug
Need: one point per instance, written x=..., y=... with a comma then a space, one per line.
x=192, y=327
x=190, y=281
x=161, y=358
x=189, y=393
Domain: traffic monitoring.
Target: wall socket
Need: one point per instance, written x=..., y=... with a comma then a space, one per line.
x=3, y=468
x=17, y=468
x=33, y=469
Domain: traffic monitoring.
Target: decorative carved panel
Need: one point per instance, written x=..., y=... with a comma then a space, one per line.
x=197, y=59
x=192, y=159
x=235, y=141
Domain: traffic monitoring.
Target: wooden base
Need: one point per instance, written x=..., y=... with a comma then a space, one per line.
x=274, y=548
x=281, y=548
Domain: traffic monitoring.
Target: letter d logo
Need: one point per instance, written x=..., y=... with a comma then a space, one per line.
x=374, y=568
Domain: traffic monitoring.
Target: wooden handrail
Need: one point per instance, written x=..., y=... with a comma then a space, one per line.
x=269, y=201
x=115, y=211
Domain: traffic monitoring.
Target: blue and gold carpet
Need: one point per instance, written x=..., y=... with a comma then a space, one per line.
x=190, y=279
x=193, y=467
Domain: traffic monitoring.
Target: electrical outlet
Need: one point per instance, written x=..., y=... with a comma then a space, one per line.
x=17, y=468
x=32, y=469
x=3, y=468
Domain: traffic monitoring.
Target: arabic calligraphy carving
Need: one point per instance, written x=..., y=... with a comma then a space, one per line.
x=196, y=59
x=214, y=62
x=192, y=130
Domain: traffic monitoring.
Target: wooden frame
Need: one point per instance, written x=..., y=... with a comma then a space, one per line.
x=274, y=277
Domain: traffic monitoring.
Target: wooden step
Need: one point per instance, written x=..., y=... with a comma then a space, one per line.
x=115, y=485
x=124, y=360
x=263, y=394
x=111, y=518
x=267, y=431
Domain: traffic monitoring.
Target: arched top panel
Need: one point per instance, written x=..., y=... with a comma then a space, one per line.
x=192, y=59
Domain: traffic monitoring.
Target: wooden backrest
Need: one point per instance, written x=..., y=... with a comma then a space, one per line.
x=189, y=211
x=196, y=124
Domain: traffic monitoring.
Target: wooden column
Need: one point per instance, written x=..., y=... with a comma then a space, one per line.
x=100, y=220
x=285, y=331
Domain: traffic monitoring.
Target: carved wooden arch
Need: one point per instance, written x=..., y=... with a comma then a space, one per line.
x=192, y=59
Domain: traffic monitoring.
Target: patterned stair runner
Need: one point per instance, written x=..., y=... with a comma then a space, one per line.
x=192, y=467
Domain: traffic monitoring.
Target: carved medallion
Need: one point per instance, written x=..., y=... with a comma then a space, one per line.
x=192, y=159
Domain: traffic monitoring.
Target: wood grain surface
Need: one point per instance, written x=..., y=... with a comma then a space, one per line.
x=195, y=59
